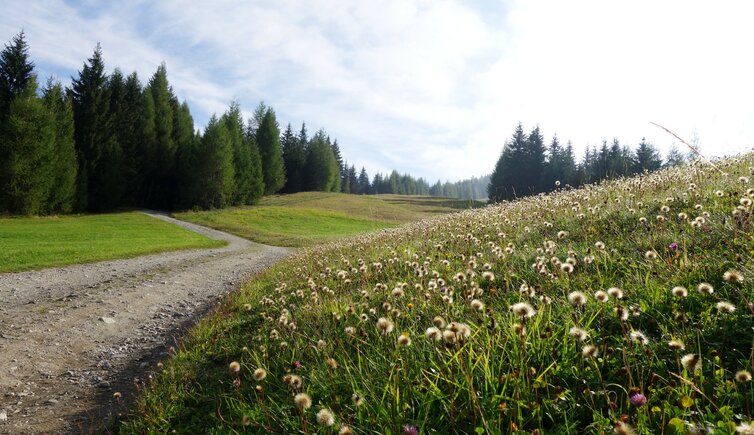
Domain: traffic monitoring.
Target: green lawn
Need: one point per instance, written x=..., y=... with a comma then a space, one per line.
x=34, y=243
x=308, y=218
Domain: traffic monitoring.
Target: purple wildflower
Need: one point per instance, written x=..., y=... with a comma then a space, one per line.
x=410, y=430
x=297, y=364
x=638, y=399
x=673, y=246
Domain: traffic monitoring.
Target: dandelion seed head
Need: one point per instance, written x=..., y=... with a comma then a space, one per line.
x=577, y=298
x=680, y=292
x=615, y=292
x=523, y=309
x=259, y=374
x=601, y=296
x=303, y=401
x=234, y=367
x=578, y=333
x=433, y=333
x=325, y=417
x=743, y=376
x=439, y=322
x=733, y=276
x=725, y=307
x=639, y=337
x=691, y=362
x=676, y=345
x=385, y=326
x=705, y=288
x=404, y=340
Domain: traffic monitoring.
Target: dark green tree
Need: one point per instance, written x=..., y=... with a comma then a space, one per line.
x=15, y=71
x=127, y=108
x=241, y=154
x=160, y=142
x=364, y=188
x=96, y=146
x=268, y=139
x=533, y=163
x=294, y=159
x=507, y=180
x=646, y=157
x=64, y=166
x=27, y=145
x=321, y=167
x=257, y=175
x=213, y=180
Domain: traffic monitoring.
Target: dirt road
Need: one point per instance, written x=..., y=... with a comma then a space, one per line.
x=71, y=337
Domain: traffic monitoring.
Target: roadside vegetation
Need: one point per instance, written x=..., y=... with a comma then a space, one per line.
x=622, y=307
x=309, y=218
x=35, y=243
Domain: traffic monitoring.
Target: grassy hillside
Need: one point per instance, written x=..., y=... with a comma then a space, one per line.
x=34, y=243
x=622, y=307
x=308, y=218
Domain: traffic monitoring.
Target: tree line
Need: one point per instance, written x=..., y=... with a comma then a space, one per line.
x=527, y=166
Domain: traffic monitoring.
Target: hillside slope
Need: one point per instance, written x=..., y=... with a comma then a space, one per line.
x=624, y=306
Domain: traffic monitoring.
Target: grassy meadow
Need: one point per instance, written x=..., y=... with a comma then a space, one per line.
x=38, y=242
x=624, y=307
x=309, y=218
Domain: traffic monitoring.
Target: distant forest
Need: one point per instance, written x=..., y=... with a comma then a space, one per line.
x=527, y=167
x=110, y=141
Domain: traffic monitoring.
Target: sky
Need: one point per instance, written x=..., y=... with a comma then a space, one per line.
x=433, y=88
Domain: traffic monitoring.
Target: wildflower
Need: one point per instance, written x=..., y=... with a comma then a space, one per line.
x=433, y=333
x=566, y=267
x=680, y=292
x=259, y=374
x=577, y=298
x=691, y=362
x=562, y=235
x=345, y=430
x=578, y=333
x=350, y=330
x=523, y=309
x=622, y=428
x=519, y=329
x=705, y=288
x=234, y=367
x=639, y=337
x=410, y=430
x=676, y=345
x=601, y=296
x=303, y=401
x=439, y=322
x=404, y=340
x=589, y=351
x=733, y=276
x=246, y=420
x=673, y=246
x=117, y=395
x=600, y=246
x=621, y=313
x=488, y=276
x=477, y=305
x=725, y=307
x=385, y=325
x=325, y=417
x=650, y=255
x=615, y=292
x=743, y=376
x=357, y=399
x=331, y=363
x=637, y=399
x=398, y=292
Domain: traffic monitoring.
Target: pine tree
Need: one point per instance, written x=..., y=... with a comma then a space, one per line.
x=353, y=179
x=96, y=147
x=15, y=71
x=241, y=154
x=268, y=139
x=674, y=157
x=186, y=144
x=533, y=163
x=341, y=164
x=553, y=170
x=27, y=144
x=64, y=166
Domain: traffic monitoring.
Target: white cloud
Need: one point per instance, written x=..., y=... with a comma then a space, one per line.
x=431, y=87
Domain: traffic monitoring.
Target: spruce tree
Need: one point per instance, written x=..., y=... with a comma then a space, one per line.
x=27, y=145
x=646, y=157
x=533, y=163
x=241, y=154
x=508, y=180
x=364, y=188
x=257, y=175
x=294, y=159
x=128, y=127
x=186, y=148
x=214, y=179
x=64, y=166
x=160, y=174
x=268, y=139
x=15, y=71
x=96, y=147
x=321, y=167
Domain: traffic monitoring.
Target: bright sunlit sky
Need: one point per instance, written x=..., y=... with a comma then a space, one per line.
x=431, y=88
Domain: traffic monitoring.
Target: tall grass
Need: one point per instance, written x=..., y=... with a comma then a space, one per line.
x=621, y=307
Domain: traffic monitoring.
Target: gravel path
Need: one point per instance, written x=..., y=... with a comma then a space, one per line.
x=71, y=337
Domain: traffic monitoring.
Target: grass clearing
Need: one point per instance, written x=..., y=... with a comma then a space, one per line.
x=620, y=308
x=39, y=242
x=309, y=218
